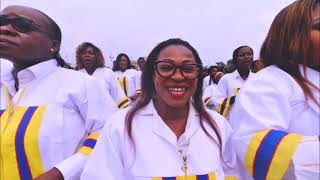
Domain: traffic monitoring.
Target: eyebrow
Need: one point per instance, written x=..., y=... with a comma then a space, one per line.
x=184, y=61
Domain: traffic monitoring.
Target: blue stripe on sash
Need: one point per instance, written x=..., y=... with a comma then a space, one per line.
x=23, y=165
x=266, y=152
x=90, y=143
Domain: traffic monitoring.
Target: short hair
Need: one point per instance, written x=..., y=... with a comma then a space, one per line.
x=117, y=66
x=236, y=52
x=97, y=52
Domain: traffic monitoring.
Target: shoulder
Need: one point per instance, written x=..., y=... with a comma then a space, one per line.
x=269, y=78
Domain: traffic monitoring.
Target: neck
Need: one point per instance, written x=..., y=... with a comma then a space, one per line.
x=90, y=70
x=175, y=118
x=244, y=73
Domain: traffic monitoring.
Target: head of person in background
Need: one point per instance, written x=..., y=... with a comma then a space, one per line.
x=28, y=37
x=217, y=77
x=122, y=63
x=213, y=70
x=294, y=40
x=172, y=79
x=256, y=66
x=90, y=57
x=242, y=58
x=141, y=61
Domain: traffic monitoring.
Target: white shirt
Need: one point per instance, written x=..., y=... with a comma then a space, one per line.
x=228, y=86
x=270, y=105
x=157, y=148
x=129, y=81
x=57, y=110
x=208, y=93
x=206, y=82
x=111, y=84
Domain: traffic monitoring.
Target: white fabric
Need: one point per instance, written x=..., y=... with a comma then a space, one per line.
x=133, y=80
x=110, y=82
x=272, y=99
x=157, y=148
x=209, y=92
x=206, y=82
x=76, y=105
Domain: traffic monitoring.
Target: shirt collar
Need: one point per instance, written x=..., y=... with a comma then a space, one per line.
x=160, y=128
x=37, y=71
x=237, y=75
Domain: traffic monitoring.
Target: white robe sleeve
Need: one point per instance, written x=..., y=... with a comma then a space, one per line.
x=117, y=93
x=261, y=118
x=94, y=105
x=106, y=161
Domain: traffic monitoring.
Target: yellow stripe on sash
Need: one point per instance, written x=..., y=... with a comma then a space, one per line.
x=89, y=144
x=31, y=142
x=252, y=149
x=123, y=103
x=226, y=109
x=210, y=176
x=220, y=105
x=123, y=80
x=9, y=166
x=282, y=157
x=230, y=178
x=235, y=91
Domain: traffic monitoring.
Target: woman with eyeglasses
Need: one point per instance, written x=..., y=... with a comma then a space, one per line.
x=128, y=77
x=276, y=115
x=230, y=84
x=168, y=133
x=90, y=60
x=50, y=116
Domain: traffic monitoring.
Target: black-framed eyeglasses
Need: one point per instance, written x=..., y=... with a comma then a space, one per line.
x=21, y=24
x=167, y=69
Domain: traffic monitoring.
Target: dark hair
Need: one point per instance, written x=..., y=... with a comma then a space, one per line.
x=253, y=64
x=55, y=34
x=141, y=58
x=209, y=71
x=148, y=90
x=117, y=66
x=236, y=52
x=288, y=43
x=97, y=52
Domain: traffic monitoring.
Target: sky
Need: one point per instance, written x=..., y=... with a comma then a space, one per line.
x=214, y=27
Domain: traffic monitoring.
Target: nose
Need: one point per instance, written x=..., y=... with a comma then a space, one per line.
x=7, y=30
x=177, y=75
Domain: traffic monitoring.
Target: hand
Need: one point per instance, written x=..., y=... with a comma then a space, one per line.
x=52, y=174
x=134, y=97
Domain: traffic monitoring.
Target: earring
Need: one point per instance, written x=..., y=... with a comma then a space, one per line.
x=51, y=50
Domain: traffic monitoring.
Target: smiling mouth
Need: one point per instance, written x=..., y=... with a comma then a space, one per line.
x=177, y=90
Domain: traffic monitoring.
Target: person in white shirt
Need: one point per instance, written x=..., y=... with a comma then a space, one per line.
x=276, y=113
x=127, y=76
x=230, y=84
x=210, y=91
x=208, y=80
x=50, y=116
x=168, y=133
x=90, y=60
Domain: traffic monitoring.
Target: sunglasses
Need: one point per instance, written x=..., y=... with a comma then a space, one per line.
x=21, y=24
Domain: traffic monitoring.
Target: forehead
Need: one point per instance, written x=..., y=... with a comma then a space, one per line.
x=176, y=53
x=123, y=58
x=244, y=50
x=28, y=13
x=316, y=12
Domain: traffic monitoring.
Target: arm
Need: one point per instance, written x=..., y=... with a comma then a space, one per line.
x=106, y=160
x=261, y=117
x=94, y=105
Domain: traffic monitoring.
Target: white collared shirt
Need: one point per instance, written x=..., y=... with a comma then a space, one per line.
x=111, y=84
x=51, y=122
x=129, y=81
x=272, y=115
x=156, y=153
x=228, y=86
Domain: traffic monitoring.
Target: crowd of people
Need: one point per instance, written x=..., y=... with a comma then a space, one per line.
x=164, y=120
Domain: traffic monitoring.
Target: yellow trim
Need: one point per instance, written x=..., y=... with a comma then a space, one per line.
x=123, y=105
x=94, y=136
x=252, y=149
x=220, y=105
x=226, y=108
x=85, y=150
x=230, y=178
x=31, y=143
x=235, y=91
x=9, y=166
x=211, y=176
x=208, y=101
x=282, y=157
